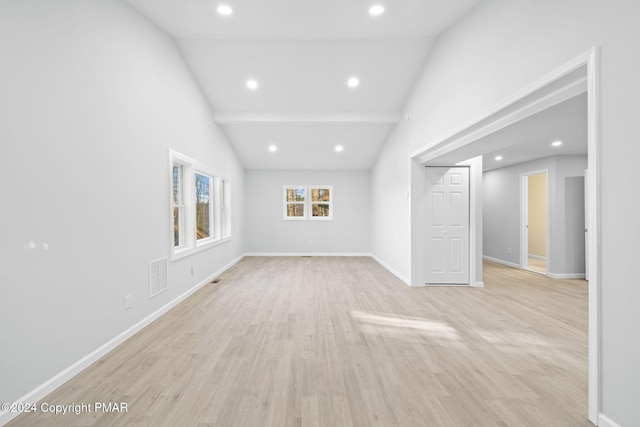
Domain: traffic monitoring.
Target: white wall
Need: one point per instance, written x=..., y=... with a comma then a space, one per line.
x=93, y=97
x=502, y=213
x=268, y=233
x=495, y=51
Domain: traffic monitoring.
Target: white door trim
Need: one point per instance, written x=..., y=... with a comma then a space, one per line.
x=524, y=220
x=592, y=59
x=468, y=134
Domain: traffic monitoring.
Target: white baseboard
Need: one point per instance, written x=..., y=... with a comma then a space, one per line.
x=53, y=383
x=391, y=270
x=566, y=275
x=500, y=261
x=541, y=258
x=407, y=281
x=604, y=421
x=549, y=274
x=274, y=254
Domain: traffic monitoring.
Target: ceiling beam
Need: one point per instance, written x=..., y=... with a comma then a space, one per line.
x=308, y=118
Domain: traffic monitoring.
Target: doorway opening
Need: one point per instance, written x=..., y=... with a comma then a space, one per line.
x=578, y=76
x=534, y=213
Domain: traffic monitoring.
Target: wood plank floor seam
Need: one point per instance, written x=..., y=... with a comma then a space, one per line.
x=333, y=341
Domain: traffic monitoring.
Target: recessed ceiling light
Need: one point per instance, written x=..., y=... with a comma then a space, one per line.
x=376, y=10
x=556, y=143
x=498, y=158
x=252, y=84
x=339, y=148
x=224, y=10
x=353, y=82
x=273, y=148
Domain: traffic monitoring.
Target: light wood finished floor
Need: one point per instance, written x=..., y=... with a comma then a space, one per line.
x=326, y=341
x=539, y=265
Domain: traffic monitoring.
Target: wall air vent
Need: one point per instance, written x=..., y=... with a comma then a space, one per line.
x=157, y=276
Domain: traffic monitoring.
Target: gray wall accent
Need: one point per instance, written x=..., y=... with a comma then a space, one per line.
x=502, y=212
x=267, y=232
x=574, y=223
x=567, y=218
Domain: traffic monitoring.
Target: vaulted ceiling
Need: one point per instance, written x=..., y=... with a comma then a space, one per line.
x=301, y=54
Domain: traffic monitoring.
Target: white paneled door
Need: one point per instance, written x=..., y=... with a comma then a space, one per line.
x=447, y=225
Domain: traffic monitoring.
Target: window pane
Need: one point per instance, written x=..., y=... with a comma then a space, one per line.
x=177, y=184
x=320, y=209
x=203, y=206
x=295, y=194
x=295, y=210
x=320, y=195
x=176, y=227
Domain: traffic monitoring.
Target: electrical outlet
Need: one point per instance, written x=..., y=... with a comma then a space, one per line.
x=509, y=250
x=127, y=302
x=192, y=270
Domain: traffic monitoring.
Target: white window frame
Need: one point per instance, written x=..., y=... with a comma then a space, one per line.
x=285, y=203
x=329, y=202
x=213, y=229
x=307, y=203
x=225, y=207
x=190, y=244
x=180, y=205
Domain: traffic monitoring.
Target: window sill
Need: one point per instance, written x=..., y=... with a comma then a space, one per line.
x=185, y=252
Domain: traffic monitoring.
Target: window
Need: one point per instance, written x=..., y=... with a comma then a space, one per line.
x=308, y=202
x=321, y=202
x=200, y=206
x=294, y=202
x=178, y=206
x=204, y=206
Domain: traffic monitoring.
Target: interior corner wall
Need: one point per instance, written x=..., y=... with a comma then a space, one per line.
x=93, y=98
x=496, y=50
x=269, y=233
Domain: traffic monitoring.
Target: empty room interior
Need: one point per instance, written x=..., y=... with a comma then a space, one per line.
x=295, y=213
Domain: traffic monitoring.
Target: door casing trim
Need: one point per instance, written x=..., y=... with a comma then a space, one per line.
x=469, y=133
